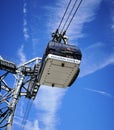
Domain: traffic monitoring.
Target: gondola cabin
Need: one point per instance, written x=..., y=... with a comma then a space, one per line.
x=60, y=65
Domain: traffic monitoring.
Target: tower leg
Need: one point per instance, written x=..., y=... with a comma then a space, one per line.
x=15, y=99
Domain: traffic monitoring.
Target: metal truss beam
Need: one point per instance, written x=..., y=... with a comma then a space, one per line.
x=25, y=84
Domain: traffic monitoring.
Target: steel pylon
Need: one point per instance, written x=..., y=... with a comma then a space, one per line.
x=16, y=81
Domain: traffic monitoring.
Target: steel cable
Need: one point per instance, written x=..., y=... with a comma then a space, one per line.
x=64, y=14
x=73, y=15
x=28, y=108
x=69, y=16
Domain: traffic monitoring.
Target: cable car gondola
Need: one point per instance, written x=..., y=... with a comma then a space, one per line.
x=61, y=61
x=60, y=64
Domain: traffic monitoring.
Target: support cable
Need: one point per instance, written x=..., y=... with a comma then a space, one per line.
x=28, y=108
x=69, y=15
x=64, y=14
x=74, y=15
x=67, y=18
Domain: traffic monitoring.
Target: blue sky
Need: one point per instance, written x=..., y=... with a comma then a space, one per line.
x=25, y=29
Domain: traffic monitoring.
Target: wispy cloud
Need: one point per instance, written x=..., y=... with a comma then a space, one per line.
x=24, y=7
x=96, y=57
x=46, y=105
x=86, y=13
x=21, y=54
x=30, y=125
x=112, y=23
x=99, y=92
x=112, y=26
x=112, y=14
x=25, y=24
x=48, y=102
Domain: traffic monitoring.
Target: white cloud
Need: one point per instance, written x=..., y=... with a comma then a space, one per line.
x=112, y=26
x=99, y=92
x=25, y=8
x=25, y=32
x=48, y=102
x=25, y=24
x=95, y=57
x=30, y=125
x=113, y=22
x=86, y=13
x=21, y=54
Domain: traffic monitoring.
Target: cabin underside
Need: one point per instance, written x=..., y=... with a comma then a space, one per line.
x=58, y=71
